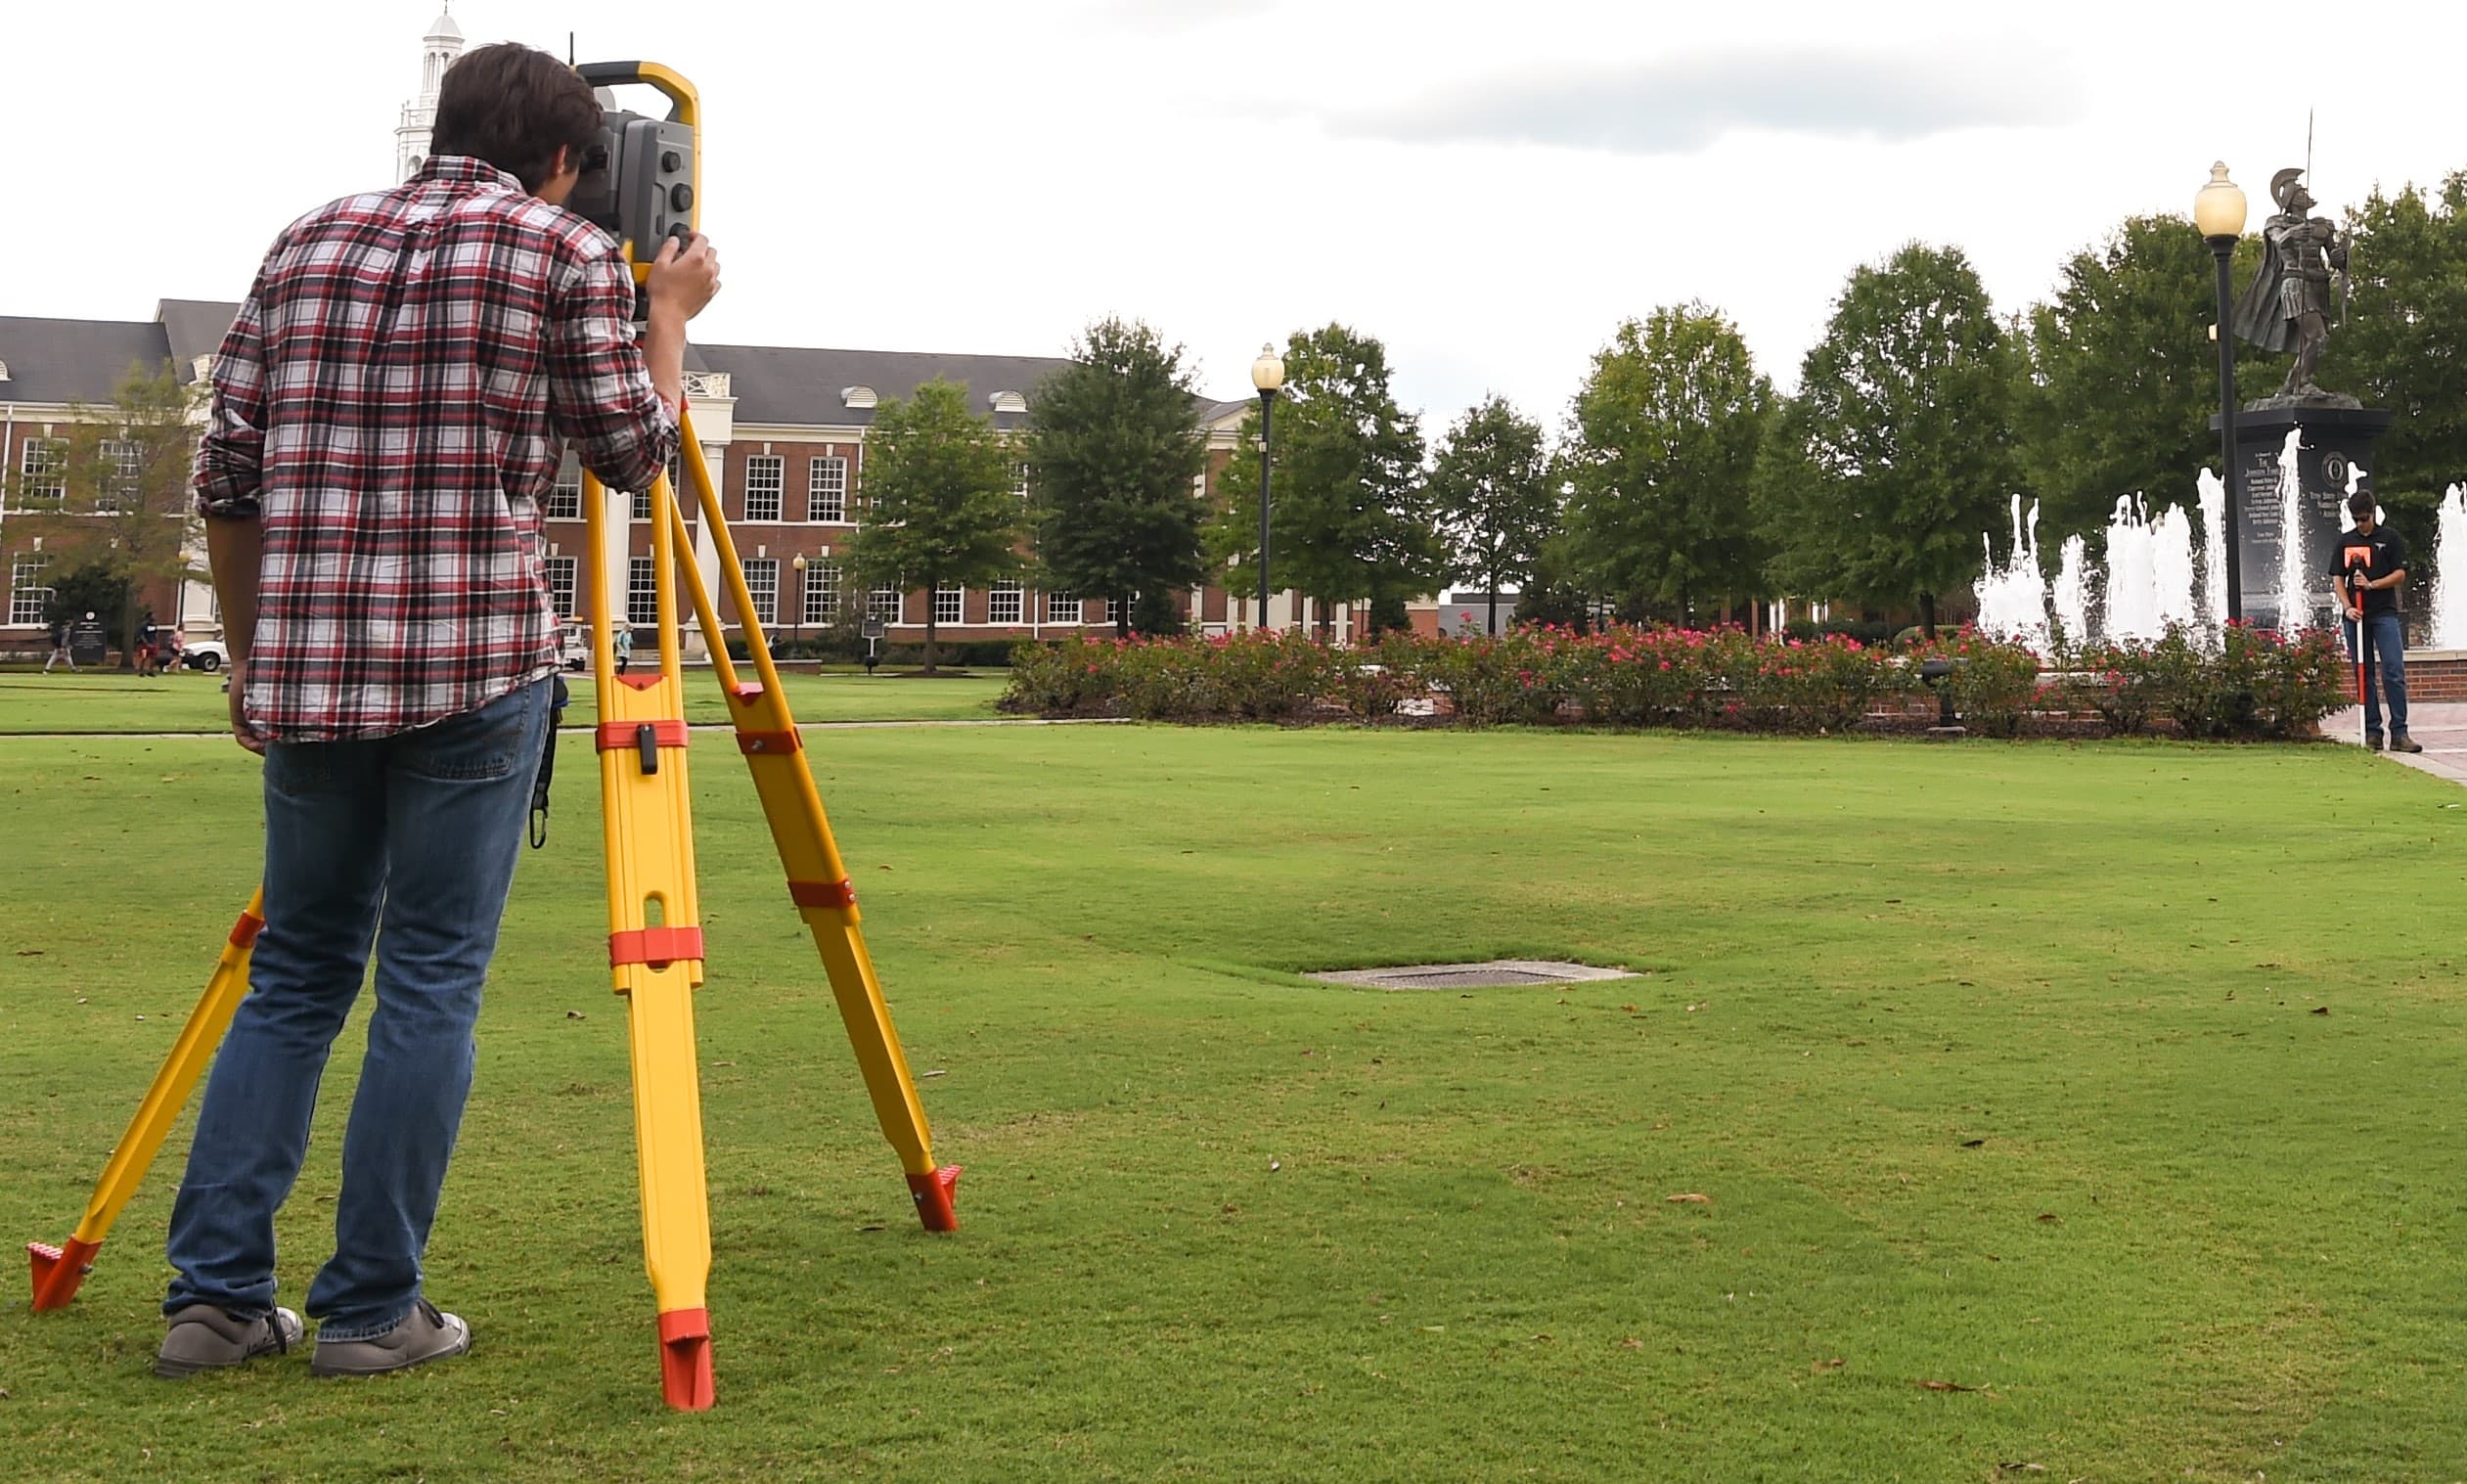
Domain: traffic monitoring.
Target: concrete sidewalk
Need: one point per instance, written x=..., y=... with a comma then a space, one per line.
x=2440, y=725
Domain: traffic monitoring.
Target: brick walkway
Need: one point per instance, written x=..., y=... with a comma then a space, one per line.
x=2440, y=725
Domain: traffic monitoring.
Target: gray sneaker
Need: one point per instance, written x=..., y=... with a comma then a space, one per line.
x=424, y=1335
x=203, y=1337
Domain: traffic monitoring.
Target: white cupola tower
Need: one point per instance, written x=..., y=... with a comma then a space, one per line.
x=438, y=49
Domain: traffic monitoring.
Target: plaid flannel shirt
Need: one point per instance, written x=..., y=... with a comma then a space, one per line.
x=391, y=404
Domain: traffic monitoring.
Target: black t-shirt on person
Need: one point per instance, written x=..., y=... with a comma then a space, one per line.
x=2376, y=556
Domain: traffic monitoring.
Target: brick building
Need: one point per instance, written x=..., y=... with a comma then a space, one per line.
x=783, y=429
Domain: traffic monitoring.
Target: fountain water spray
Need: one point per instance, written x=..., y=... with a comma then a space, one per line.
x=2013, y=598
x=2072, y=595
x=2294, y=596
x=2214, y=502
x=2449, y=595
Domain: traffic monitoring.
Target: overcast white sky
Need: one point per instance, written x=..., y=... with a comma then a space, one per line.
x=1488, y=187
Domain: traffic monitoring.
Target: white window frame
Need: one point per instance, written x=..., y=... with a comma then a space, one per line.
x=1114, y=611
x=27, y=600
x=766, y=477
x=950, y=603
x=883, y=603
x=1006, y=602
x=126, y=459
x=563, y=573
x=1062, y=607
x=762, y=585
x=822, y=593
x=565, y=498
x=642, y=590
x=826, y=490
x=42, y=469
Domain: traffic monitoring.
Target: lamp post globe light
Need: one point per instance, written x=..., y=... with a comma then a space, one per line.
x=1268, y=374
x=2219, y=215
x=799, y=564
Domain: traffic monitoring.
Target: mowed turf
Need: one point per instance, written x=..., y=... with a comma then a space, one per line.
x=191, y=700
x=2091, y=1108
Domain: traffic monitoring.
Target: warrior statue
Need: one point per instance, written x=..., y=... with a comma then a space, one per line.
x=2287, y=306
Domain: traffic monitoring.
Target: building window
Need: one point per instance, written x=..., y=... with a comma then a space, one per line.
x=642, y=591
x=561, y=573
x=1114, y=610
x=125, y=458
x=763, y=477
x=43, y=466
x=762, y=585
x=822, y=593
x=948, y=603
x=1004, y=603
x=641, y=505
x=26, y=598
x=883, y=604
x=1019, y=479
x=565, y=498
x=826, y=490
x=1061, y=608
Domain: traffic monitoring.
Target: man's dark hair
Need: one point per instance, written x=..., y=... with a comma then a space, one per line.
x=514, y=107
x=2361, y=505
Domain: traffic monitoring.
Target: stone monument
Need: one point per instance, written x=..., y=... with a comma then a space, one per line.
x=2288, y=307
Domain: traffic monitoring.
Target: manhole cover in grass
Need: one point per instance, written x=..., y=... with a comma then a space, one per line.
x=1498, y=973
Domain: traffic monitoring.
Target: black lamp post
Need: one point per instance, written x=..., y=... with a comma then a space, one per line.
x=2219, y=215
x=1268, y=374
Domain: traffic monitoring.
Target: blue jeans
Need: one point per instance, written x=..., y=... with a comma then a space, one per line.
x=2389, y=668
x=409, y=841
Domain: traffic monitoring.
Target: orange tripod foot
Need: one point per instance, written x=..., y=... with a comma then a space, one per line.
x=933, y=1198
x=58, y=1271
x=685, y=1359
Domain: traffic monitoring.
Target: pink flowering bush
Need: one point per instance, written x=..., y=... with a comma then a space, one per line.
x=1656, y=677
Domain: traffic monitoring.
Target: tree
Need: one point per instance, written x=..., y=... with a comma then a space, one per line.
x=1662, y=454
x=1878, y=479
x=1491, y=491
x=1352, y=514
x=1114, y=462
x=2125, y=375
x=126, y=489
x=941, y=509
x=2405, y=344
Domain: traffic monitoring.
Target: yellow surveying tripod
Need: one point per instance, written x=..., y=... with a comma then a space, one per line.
x=655, y=949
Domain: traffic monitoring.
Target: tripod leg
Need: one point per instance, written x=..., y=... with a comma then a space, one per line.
x=655, y=962
x=58, y=1271
x=818, y=879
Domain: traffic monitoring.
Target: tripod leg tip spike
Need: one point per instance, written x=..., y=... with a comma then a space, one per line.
x=685, y=1359
x=58, y=1271
x=933, y=1194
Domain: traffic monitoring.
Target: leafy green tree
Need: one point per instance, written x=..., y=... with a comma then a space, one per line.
x=1878, y=478
x=1662, y=457
x=1491, y=491
x=1114, y=462
x=940, y=505
x=2405, y=343
x=126, y=481
x=1352, y=514
x=2124, y=375
x=1551, y=594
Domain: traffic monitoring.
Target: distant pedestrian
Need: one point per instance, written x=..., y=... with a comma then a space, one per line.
x=2369, y=565
x=59, y=648
x=624, y=647
x=148, y=637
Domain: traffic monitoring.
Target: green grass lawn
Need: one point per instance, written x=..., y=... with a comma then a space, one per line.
x=2003, y=1068
x=192, y=701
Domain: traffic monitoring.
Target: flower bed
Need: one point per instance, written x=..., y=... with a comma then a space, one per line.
x=2259, y=686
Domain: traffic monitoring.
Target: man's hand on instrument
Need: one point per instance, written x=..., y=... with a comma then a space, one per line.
x=684, y=279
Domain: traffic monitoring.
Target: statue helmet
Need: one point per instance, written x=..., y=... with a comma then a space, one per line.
x=2283, y=185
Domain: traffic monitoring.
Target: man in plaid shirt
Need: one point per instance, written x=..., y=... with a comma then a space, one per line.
x=390, y=406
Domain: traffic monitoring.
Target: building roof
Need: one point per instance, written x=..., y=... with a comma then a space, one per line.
x=776, y=384
x=443, y=27
x=75, y=360
x=194, y=327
